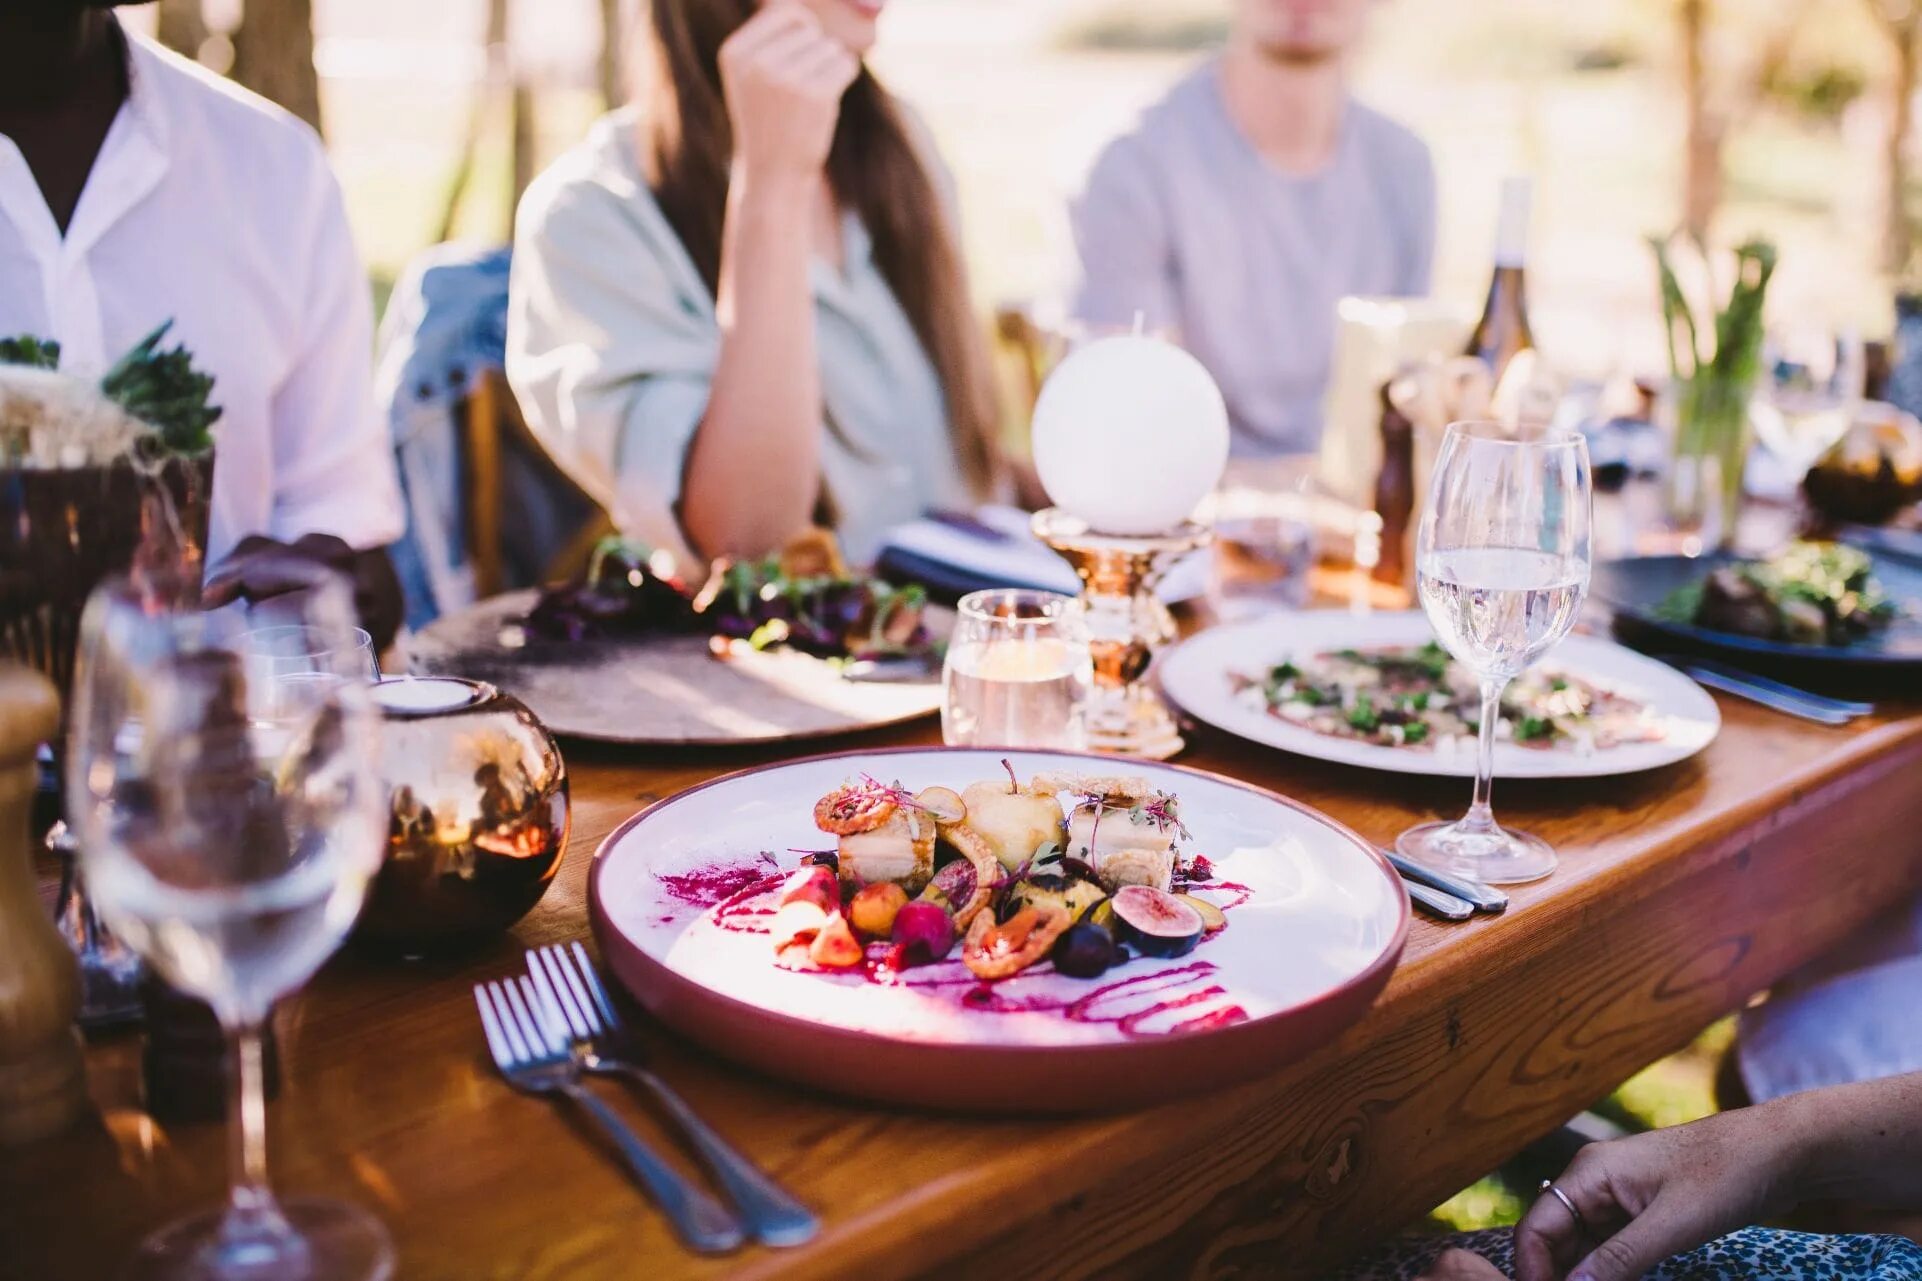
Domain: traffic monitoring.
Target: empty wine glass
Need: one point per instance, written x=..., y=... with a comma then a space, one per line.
x=1502, y=566
x=230, y=819
x=292, y=649
x=1811, y=387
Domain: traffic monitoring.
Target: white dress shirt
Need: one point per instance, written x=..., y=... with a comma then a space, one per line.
x=214, y=208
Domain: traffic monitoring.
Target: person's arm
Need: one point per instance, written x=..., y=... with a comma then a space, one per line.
x=1123, y=245
x=336, y=493
x=753, y=471
x=1653, y=1195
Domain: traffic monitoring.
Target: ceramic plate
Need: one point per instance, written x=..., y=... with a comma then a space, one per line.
x=666, y=689
x=1197, y=675
x=1635, y=588
x=680, y=894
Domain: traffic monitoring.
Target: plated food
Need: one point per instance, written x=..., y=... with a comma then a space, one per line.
x=804, y=599
x=1044, y=935
x=1077, y=869
x=1375, y=691
x=1418, y=698
x=764, y=652
x=1809, y=593
x=1834, y=617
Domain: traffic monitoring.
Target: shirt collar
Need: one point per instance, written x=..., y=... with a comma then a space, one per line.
x=135, y=157
x=146, y=95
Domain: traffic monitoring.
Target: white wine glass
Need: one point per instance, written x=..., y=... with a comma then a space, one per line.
x=230, y=819
x=1502, y=564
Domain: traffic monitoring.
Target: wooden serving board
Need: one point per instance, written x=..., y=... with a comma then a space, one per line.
x=660, y=691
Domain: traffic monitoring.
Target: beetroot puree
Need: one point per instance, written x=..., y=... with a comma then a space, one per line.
x=735, y=897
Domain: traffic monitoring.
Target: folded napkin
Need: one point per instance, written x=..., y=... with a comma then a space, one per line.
x=993, y=547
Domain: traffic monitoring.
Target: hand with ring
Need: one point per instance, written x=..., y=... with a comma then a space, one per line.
x=1624, y=1206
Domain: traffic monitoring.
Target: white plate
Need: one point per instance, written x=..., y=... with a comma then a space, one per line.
x=1196, y=676
x=1315, y=921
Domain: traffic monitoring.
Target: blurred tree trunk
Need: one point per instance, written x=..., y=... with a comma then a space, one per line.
x=1901, y=20
x=493, y=79
x=1706, y=130
x=274, y=55
x=613, y=57
x=182, y=26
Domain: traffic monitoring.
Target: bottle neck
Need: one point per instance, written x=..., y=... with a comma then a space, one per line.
x=1511, y=232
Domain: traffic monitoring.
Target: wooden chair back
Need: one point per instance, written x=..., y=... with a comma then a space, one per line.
x=491, y=419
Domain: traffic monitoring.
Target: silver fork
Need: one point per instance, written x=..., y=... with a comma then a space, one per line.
x=529, y=1045
x=602, y=1044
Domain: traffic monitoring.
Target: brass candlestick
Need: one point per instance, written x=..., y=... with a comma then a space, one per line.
x=1126, y=626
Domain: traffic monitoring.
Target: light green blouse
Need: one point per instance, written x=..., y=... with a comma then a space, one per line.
x=612, y=340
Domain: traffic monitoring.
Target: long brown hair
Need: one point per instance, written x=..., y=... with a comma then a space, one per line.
x=687, y=145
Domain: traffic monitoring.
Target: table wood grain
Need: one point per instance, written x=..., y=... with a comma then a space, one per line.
x=1681, y=893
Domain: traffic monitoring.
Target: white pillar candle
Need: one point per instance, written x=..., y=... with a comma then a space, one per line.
x=1130, y=434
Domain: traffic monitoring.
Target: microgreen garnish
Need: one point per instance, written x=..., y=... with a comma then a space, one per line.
x=1163, y=810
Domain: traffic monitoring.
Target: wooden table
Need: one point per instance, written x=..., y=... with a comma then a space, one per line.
x=1681, y=893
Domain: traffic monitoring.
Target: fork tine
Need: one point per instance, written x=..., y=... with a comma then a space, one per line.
x=490, y=1026
x=537, y=1043
x=552, y=978
x=589, y=975
x=565, y=969
x=521, y=1049
x=547, y=1020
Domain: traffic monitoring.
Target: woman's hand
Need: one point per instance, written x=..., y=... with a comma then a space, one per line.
x=1649, y=1196
x=784, y=78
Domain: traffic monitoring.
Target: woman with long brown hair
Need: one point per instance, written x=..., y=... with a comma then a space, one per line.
x=738, y=308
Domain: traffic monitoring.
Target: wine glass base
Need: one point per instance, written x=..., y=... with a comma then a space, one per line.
x=326, y=1241
x=1494, y=857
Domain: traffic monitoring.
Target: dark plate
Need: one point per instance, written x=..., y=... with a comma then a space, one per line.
x=1635, y=588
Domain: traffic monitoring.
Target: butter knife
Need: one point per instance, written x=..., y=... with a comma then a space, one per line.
x=1446, y=906
x=1485, y=898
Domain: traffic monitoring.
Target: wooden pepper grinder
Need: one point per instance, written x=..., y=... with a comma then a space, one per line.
x=43, y=1085
x=1395, y=491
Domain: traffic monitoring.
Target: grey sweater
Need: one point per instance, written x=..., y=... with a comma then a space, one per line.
x=1183, y=221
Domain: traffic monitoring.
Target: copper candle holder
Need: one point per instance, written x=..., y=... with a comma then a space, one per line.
x=1127, y=625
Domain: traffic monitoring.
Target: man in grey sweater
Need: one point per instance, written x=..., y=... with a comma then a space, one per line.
x=1244, y=205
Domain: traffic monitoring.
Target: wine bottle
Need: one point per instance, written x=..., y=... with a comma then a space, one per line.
x=1503, y=329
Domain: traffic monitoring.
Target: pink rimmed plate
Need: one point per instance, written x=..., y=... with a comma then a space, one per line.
x=680, y=895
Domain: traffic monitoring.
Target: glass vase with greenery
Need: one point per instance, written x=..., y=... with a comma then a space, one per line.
x=1714, y=363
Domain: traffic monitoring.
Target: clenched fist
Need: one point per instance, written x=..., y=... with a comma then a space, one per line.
x=783, y=78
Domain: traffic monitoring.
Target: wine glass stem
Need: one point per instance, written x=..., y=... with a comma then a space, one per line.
x=253, y=1231
x=1481, y=814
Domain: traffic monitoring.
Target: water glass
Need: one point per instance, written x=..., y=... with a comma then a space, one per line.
x=224, y=787
x=1018, y=673
x=1262, y=555
x=1502, y=566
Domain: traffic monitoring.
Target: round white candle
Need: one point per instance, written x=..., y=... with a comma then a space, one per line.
x=1130, y=434
x=423, y=694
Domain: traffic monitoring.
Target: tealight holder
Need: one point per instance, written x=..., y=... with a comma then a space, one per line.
x=478, y=815
x=1127, y=625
